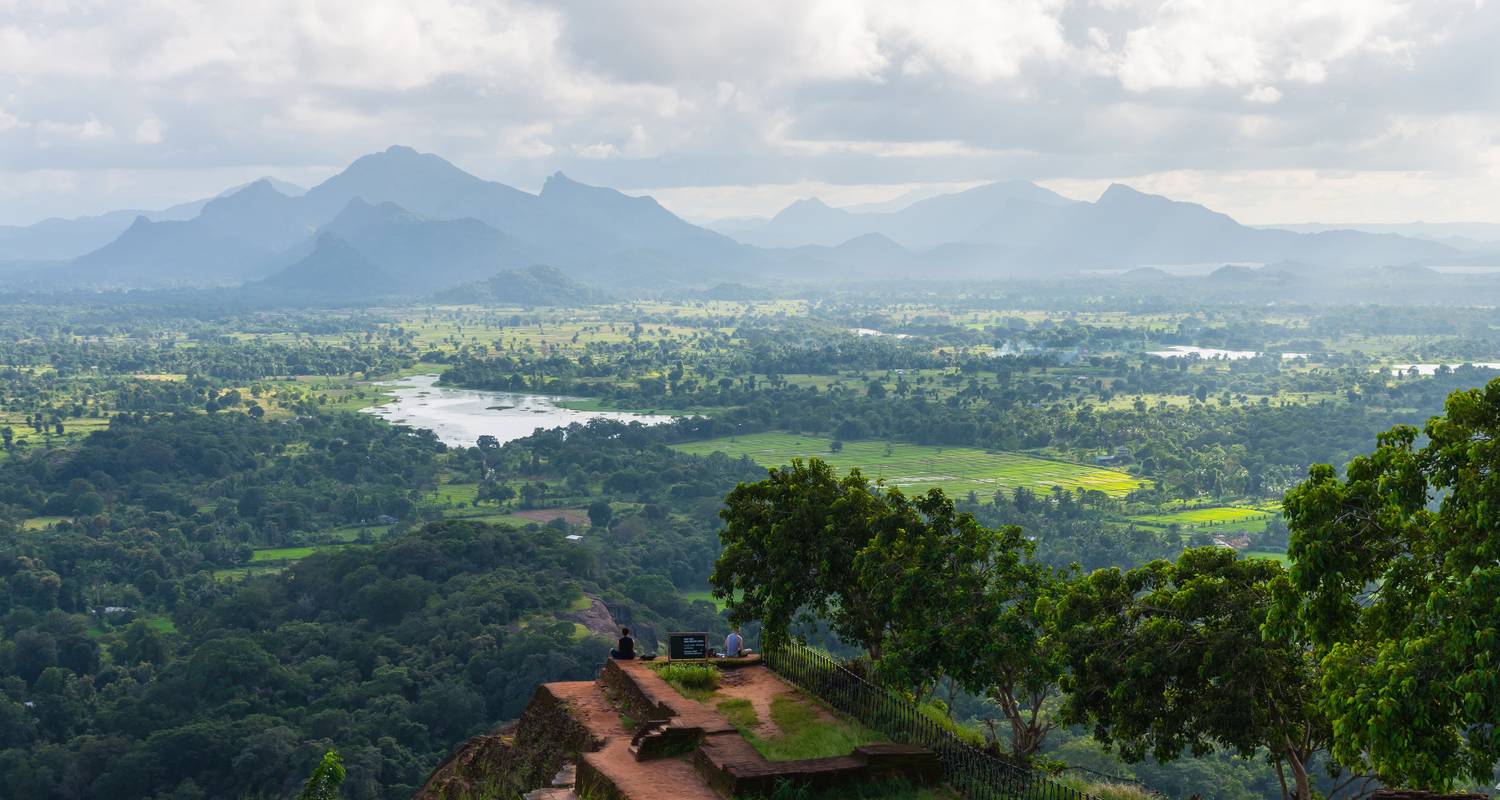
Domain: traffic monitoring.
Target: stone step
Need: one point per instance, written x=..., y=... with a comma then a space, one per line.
x=565, y=777
x=612, y=770
x=551, y=794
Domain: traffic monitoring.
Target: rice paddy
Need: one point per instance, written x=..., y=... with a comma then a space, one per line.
x=1221, y=518
x=916, y=468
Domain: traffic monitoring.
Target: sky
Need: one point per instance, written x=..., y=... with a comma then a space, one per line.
x=1270, y=110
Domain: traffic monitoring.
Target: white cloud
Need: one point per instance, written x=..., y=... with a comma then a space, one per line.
x=679, y=93
x=1198, y=43
x=1263, y=94
x=91, y=129
x=981, y=40
x=149, y=131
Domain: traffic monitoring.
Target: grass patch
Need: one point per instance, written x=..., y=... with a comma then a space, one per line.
x=240, y=573
x=1107, y=790
x=281, y=554
x=693, y=681
x=740, y=713
x=940, y=718
x=295, y=553
x=706, y=596
x=1274, y=555
x=351, y=533
x=1226, y=519
x=581, y=603
x=40, y=523
x=808, y=731
x=881, y=790
x=161, y=624
x=916, y=468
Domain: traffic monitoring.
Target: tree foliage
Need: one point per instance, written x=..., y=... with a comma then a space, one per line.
x=928, y=591
x=325, y=780
x=1396, y=579
x=1170, y=658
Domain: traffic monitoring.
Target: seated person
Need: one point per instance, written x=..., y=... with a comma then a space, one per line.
x=734, y=645
x=626, y=648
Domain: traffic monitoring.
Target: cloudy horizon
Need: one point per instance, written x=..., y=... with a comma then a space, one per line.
x=1339, y=111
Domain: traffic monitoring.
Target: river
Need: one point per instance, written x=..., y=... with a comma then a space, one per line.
x=460, y=416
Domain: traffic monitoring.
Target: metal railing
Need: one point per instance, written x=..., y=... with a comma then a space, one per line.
x=975, y=773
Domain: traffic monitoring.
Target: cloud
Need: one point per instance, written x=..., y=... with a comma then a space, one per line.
x=149, y=131
x=678, y=93
x=90, y=129
x=1265, y=95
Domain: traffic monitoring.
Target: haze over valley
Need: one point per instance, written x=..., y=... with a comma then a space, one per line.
x=815, y=400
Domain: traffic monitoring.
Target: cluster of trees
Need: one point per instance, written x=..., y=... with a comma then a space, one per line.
x=1222, y=448
x=392, y=653
x=1372, y=661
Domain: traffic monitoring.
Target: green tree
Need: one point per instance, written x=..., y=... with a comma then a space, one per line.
x=1170, y=657
x=600, y=513
x=141, y=642
x=325, y=780
x=961, y=600
x=789, y=544
x=1401, y=596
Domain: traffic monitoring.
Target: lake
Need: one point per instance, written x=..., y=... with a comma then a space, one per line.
x=1183, y=351
x=460, y=416
x=1431, y=369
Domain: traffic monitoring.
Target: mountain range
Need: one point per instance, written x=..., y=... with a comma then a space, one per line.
x=403, y=223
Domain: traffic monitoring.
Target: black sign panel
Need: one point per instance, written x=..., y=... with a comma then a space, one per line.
x=687, y=646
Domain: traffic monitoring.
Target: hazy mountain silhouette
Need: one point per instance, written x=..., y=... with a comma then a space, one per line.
x=429, y=225
x=531, y=286
x=259, y=213
x=157, y=253
x=58, y=239
x=334, y=269
x=959, y=217
x=1014, y=225
x=423, y=255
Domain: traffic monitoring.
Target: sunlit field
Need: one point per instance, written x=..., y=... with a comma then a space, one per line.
x=917, y=468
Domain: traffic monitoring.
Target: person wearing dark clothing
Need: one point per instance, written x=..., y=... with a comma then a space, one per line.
x=626, y=648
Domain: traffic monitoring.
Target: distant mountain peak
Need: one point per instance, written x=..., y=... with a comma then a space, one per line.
x=359, y=213
x=808, y=210
x=558, y=184
x=262, y=189
x=1119, y=192
x=403, y=161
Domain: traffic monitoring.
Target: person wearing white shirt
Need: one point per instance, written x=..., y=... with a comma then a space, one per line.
x=734, y=645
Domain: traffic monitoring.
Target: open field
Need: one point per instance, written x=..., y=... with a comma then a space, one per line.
x=40, y=523
x=240, y=573
x=704, y=595
x=573, y=516
x=1229, y=518
x=1274, y=555
x=293, y=553
x=916, y=468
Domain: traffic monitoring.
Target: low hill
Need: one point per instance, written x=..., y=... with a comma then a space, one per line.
x=334, y=269
x=531, y=286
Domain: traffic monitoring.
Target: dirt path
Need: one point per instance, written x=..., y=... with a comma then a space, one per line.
x=760, y=686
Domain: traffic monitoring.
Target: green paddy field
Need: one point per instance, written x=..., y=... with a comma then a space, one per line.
x=916, y=468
